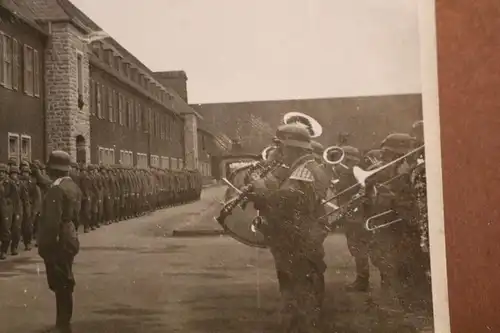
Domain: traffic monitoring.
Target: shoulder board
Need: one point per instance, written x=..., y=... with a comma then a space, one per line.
x=58, y=181
x=302, y=173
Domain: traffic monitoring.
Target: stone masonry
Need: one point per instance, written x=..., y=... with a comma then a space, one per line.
x=64, y=120
x=190, y=141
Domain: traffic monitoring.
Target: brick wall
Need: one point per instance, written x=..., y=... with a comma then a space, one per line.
x=64, y=120
x=143, y=134
x=19, y=113
x=367, y=119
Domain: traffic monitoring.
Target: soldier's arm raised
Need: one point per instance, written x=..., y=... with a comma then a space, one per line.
x=48, y=235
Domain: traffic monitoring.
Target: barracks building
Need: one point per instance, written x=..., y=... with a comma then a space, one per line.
x=58, y=90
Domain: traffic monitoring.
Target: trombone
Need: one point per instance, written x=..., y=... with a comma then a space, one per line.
x=362, y=176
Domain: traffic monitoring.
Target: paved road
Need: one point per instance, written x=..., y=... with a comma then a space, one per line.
x=133, y=277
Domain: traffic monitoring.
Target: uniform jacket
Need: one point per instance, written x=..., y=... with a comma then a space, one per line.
x=57, y=236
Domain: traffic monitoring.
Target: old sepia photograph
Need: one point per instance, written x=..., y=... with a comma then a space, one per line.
x=220, y=166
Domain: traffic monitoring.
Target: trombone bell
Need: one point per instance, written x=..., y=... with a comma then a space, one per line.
x=312, y=125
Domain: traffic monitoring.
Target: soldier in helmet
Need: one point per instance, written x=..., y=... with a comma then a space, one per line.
x=9, y=205
x=290, y=199
x=358, y=239
x=17, y=219
x=31, y=204
x=58, y=242
x=391, y=245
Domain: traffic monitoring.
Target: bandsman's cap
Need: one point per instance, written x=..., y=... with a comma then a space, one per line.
x=399, y=143
x=4, y=167
x=294, y=135
x=25, y=168
x=59, y=160
x=24, y=163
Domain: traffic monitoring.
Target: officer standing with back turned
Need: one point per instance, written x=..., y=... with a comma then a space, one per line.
x=58, y=242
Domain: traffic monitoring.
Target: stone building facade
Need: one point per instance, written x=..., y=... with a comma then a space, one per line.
x=91, y=98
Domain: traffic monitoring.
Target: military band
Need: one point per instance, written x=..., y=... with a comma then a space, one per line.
x=379, y=201
x=109, y=194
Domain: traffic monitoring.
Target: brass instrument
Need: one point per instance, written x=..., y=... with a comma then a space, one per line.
x=312, y=125
x=334, y=156
x=361, y=177
x=369, y=221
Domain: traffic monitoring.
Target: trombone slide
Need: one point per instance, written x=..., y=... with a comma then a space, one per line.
x=373, y=228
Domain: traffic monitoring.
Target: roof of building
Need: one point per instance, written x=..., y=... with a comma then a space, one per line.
x=23, y=11
x=171, y=74
x=61, y=10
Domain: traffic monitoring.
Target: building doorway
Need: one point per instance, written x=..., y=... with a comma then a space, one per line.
x=81, y=150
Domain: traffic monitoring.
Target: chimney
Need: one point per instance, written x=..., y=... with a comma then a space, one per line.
x=176, y=80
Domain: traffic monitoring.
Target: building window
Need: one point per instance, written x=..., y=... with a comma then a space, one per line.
x=181, y=163
x=138, y=116
x=92, y=96
x=142, y=160
x=173, y=163
x=106, y=156
x=155, y=161
x=116, y=102
x=126, y=158
x=28, y=70
x=16, y=69
x=96, y=49
x=26, y=148
x=111, y=93
x=99, y=90
x=14, y=146
x=121, y=110
x=79, y=69
x=36, y=74
x=7, y=62
x=146, y=120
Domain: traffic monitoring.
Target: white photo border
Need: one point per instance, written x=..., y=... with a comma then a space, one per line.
x=432, y=137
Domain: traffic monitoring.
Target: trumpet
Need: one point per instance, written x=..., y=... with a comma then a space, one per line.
x=334, y=156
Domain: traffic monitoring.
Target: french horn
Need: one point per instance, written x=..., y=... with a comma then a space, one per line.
x=312, y=125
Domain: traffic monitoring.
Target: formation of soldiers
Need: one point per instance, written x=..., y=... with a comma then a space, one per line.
x=109, y=194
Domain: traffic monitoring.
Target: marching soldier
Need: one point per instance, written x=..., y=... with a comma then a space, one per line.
x=290, y=198
x=58, y=242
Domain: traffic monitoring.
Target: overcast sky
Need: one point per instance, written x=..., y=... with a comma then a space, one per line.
x=241, y=50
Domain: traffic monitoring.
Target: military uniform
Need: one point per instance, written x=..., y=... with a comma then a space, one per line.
x=31, y=201
x=58, y=242
x=290, y=200
x=19, y=210
x=393, y=246
x=9, y=205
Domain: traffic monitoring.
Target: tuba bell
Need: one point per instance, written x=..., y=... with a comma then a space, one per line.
x=312, y=125
x=334, y=156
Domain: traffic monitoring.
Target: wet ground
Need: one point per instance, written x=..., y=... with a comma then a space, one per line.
x=134, y=277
